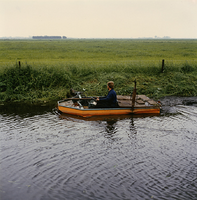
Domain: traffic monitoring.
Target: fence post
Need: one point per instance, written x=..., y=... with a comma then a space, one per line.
x=19, y=64
x=162, y=66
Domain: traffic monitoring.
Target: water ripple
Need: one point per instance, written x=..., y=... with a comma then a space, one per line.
x=47, y=156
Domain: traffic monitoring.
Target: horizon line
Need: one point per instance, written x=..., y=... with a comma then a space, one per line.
x=31, y=38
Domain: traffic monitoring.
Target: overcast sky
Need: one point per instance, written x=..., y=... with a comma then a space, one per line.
x=99, y=18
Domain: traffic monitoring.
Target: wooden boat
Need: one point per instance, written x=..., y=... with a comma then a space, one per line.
x=84, y=106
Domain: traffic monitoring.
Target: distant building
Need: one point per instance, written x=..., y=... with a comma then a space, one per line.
x=47, y=37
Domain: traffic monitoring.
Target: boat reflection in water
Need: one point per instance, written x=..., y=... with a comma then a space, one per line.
x=110, y=123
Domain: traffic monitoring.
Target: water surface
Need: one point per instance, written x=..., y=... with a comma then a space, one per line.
x=48, y=156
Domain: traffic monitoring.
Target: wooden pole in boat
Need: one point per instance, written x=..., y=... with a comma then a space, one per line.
x=133, y=96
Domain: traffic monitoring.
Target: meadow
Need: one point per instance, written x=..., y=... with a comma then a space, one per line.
x=50, y=68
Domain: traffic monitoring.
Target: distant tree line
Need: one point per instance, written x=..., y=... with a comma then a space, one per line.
x=49, y=37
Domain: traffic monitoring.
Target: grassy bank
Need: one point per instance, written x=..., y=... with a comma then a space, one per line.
x=43, y=83
x=50, y=68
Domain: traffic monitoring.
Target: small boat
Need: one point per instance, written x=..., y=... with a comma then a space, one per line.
x=85, y=106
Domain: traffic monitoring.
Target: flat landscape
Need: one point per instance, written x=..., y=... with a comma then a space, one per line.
x=49, y=68
x=114, y=50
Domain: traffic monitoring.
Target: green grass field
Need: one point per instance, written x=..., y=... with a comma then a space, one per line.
x=50, y=68
x=85, y=50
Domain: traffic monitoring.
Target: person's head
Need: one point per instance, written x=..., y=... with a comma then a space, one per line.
x=110, y=84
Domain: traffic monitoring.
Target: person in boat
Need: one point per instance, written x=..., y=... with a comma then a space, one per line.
x=110, y=101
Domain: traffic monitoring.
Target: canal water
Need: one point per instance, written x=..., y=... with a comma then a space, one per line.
x=48, y=156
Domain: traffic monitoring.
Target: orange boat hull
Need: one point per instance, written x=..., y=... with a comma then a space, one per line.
x=108, y=111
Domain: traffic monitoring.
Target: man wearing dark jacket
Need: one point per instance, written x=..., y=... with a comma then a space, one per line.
x=110, y=101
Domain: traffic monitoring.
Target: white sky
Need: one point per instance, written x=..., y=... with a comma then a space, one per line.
x=99, y=18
